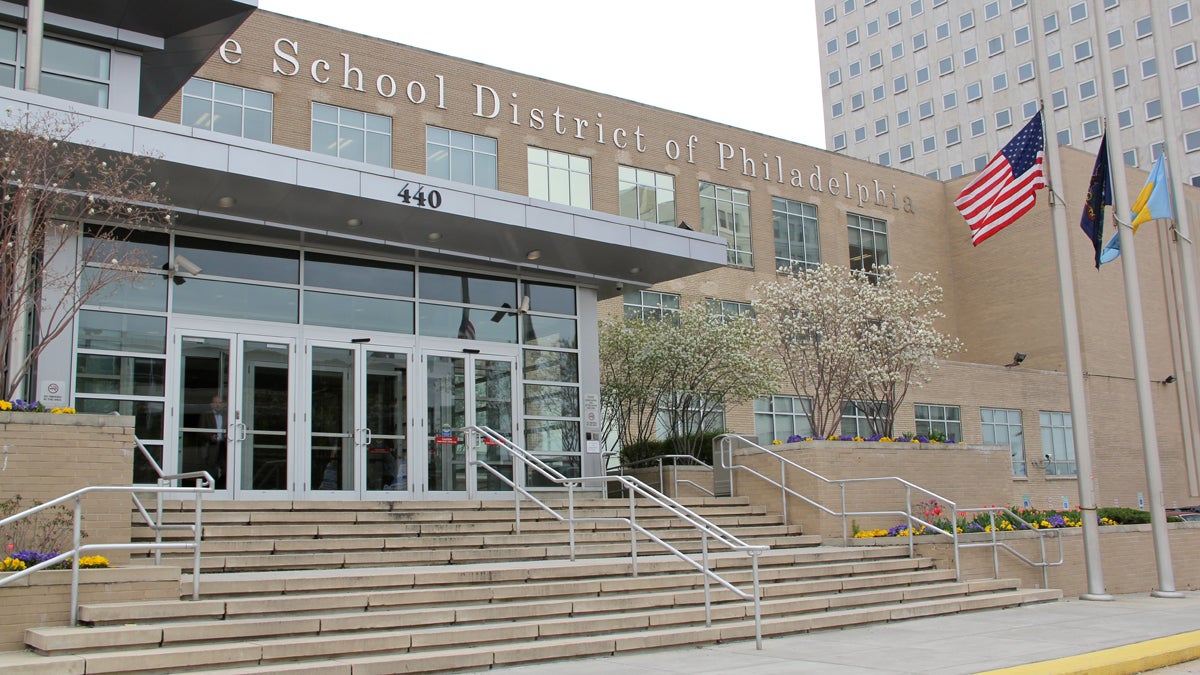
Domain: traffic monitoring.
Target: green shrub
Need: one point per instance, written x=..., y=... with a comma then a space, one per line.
x=703, y=444
x=1124, y=516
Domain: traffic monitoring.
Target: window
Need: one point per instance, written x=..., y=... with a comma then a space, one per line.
x=1091, y=129
x=650, y=305
x=725, y=212
x=648, y=195
x=953, y=136
x=1185, y=55
x=885, y=159
x=919, y=41
x=460, y=157
x=796, y=241
x=1195, y=182
x=1019, y=3
x=868, y=240
x=857, y=101
x=941, y=31
x=966, y=21
x=1000, y=82
x=1077, y=12
x=1064, y=137
x=1082, y=50
x=922, y=74
x=1189, y=98
x=1156, y=149
x=956, y=170
x=1003, y=427
x=946, y=66
x=900, y=84
x=1050, y=23
x=1125, y=118
x=1087, y=89
x=1153, y=109
x=75, y=72
x=1191, y=141
x=897, y=50
x=991, y=10
x=903, y=118
x=852, y=37
x=1120, y=78
x=928, y=144
x=778, y=418
x=995, y=45
x=1116, y=38
x=1131, y=158
x=916, y=7
x=1025, y=72
x=970, y=56
x=729, y=308
x=835, y=77
x=1058, y=99
x=855, y=68
x=949, y=100
x=1149, y=68
x=860, y=134
x=363, y=137
x=1003, y=118
x=974, y=91
x=873, y=27
x=906, y=152
x=1144, y=27
x=980, y=162
x=560, y=178
x=227, y=109
x=1029, y=109
x=925, y=109
x=978, y=127
x=877, y=93
x=1109, y=4
x=935, y=174
x=938, y=421
x=1057, y=443
x=875, y=60
x=1055, y=60
x=893, y=18
x=857, y=417
x=1180, y=13
x=837, y=109
x=839, y=141
x=881, y=126
x=830, y=15
x=831, y=47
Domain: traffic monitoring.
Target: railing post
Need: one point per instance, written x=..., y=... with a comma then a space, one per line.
x=633, y=530
x=197, y=538
x=76, y=542
x=707, y=581
x=845, y=530
x=757, y=601
x=995, y=551
x=571, y=517
x=158, y=522
x=783, y=489
x=518, y=465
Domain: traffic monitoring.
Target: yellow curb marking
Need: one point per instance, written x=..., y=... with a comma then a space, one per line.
x=1134, y=658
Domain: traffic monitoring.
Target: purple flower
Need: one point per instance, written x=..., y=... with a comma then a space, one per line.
x=974, y=526
x=875, y=437
x=794, y=438
x=923, y=439
x=32, y=558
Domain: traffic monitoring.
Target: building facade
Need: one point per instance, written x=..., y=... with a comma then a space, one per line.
x=933, y=86
x=377, y=245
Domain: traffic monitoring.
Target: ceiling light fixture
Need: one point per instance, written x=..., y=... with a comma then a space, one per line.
x=534, y=254
x=434, y=236
x=354, y=222
x=227, y=202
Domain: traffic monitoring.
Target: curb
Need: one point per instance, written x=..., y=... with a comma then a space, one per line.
x=1135, y=658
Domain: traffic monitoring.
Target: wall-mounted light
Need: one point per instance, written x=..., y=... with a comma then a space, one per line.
x=1018, y=359
x=1170, y=379
x=227, y=202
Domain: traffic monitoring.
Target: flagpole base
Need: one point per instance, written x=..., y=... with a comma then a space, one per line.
x=1166, y=594
x=1098, y=597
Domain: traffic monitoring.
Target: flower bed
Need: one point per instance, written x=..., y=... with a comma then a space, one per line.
x=1003, y=521
x=17, y=405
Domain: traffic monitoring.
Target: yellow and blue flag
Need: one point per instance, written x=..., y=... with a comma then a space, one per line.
x=1153, y=202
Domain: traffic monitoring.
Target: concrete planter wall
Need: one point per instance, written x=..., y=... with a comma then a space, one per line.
x=677, y=481
x=45, y=456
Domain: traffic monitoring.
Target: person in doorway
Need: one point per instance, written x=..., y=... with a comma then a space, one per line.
x=216, y=421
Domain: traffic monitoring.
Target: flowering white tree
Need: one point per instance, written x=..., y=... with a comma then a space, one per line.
x=49, y=187
x=680, y=371
x=845, y=335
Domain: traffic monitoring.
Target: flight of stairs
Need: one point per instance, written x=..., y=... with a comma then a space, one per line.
x=390, y=587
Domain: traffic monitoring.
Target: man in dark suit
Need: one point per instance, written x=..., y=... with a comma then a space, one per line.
x=216, y=421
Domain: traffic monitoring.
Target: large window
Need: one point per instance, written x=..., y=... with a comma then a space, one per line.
x=868, y=242
x=857, y=417
x=460, y=157
x=779, y=417
x=1002, y=426
x=938, y=421
x=228, y=109
x=75, y=72
x=351, y=134
x=725, y=212
x=560, y=178
x=796, y=241
x=646, y=195
x=650, y=305
x=1057, y=443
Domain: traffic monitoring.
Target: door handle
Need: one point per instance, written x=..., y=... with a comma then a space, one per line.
x=240, y=429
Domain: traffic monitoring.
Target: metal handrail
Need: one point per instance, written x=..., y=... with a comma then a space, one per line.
x=675, y=481
x=78, y=547
x=726, y=456
x=998, y=545
x=635, y=487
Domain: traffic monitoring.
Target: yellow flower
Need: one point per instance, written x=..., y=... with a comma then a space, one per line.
x=776, y=442
x=885, y=439
x=913, y=441
x=93, y=561
x=5, y=405
x=63, y=411
x=12, y=565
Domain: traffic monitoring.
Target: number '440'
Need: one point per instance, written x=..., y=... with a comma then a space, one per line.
x=431, y=199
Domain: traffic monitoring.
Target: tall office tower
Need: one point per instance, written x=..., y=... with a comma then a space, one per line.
x=936, y=87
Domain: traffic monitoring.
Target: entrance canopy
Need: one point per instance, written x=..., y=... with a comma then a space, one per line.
x=223, y=184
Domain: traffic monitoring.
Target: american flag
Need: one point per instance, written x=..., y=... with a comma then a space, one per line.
x=1006, y=188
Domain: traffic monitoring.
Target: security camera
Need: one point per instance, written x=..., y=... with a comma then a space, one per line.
x=182, y=263
x=620, y=287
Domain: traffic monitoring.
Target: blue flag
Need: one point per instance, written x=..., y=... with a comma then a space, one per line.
x=1099, y=195
x=1153, y=202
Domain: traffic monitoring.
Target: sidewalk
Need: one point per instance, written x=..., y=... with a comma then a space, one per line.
x=1016, y=641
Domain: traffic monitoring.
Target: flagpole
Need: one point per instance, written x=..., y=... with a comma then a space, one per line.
x=1137, y=330
x=1066, y=288
x=1184, y=248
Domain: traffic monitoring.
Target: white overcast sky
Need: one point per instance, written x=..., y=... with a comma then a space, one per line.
x=751, y=64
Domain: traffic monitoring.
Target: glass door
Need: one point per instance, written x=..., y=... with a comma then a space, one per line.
x=463, y=390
